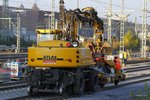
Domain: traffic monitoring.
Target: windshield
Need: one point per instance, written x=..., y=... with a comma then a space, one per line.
x=44, y=37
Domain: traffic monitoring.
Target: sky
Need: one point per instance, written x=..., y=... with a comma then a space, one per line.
x=135, y=6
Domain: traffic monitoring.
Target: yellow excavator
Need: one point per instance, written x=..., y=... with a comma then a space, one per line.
x=59, y=62
x=58, y=65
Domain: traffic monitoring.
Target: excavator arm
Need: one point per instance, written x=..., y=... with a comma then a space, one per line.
x=88, y=16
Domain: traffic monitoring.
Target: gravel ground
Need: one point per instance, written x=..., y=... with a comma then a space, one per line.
x=122, y=93
x=13, y=93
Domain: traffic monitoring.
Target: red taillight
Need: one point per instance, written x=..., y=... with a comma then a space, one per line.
x=97, y=59
x=32, y=59
x=68, y=44
x=70, y=60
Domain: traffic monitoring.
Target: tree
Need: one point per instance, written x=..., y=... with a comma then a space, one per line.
x=131, y=41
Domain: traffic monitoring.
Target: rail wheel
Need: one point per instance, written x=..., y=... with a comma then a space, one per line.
x=78, y=86
x=93, y=83
x=30, y=90
x=62, y=90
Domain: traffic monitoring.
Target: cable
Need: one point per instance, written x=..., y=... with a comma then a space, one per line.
x=100, y=2
x=113, y=28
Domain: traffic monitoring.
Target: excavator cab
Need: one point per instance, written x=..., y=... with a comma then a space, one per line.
x=48, y=34
x=54, y=38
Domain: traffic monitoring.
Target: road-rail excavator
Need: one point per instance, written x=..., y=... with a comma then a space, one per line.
x=60, y=62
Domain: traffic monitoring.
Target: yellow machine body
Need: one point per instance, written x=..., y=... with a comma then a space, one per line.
x=55, y=54
x=59, y=57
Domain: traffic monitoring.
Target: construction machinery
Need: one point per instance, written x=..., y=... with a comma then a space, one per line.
x=58, y=65
x=60, y=62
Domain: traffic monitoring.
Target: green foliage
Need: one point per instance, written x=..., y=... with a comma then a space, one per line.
x=143, y=94
x=132, y=94
x=131, y=41
x=140, y=92
x=147, y=90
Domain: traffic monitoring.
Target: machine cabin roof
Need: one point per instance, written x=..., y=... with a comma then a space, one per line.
x=48, y=31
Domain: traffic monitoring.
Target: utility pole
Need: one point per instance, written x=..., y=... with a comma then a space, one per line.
x=5, y=12
x=122, y=30
x=5, y=8
x=9, y=19
x=53, y=15
x=144, y=30
x=62, y=14
x=136, y=32
x=77, y=3
x=18, y=30
x=122, y=34
x=109, y=21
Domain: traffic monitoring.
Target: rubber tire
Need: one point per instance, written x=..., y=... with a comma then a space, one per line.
x=78, y=86
x=93, y=83
x=116, y=82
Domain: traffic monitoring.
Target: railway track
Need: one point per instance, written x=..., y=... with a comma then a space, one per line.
x=21, y=84
x=13, y=85
x=135, y=69
x=129, y=81
x=66, y=96
x=12, y=56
